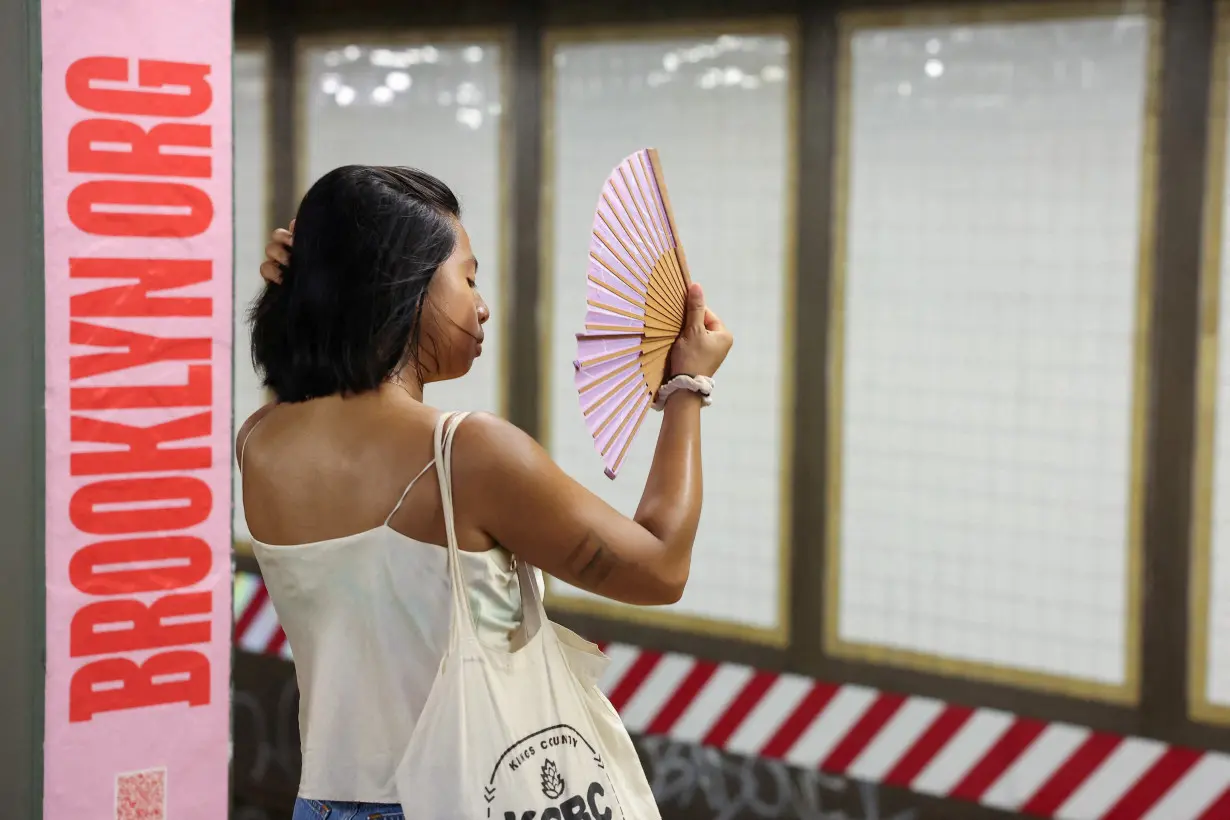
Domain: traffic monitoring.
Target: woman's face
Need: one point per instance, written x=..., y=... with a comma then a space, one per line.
x=454, y=316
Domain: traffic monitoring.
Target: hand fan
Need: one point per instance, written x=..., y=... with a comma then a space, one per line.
x=636, y=293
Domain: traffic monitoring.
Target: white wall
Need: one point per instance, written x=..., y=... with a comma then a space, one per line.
x=717, y=110
x=992, y=262
x=251, y=234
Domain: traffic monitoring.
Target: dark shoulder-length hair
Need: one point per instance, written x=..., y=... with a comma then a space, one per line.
x=348, y=313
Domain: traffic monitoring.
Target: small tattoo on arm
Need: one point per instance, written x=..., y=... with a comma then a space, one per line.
x=592, y=561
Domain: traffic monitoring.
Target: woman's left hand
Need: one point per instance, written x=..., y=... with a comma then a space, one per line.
x=277, y=254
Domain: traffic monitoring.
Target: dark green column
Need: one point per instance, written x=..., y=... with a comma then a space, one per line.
x=21, y=413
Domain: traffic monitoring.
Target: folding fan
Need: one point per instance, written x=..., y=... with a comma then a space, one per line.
x=635, y=298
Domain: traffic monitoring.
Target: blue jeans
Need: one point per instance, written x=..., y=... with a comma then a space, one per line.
x=308, y=809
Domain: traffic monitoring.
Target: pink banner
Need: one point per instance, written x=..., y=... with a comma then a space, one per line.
x=137, y=189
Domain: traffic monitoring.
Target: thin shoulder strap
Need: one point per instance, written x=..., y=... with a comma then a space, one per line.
x=534, y=615
x=243, y=447
x=406, y=491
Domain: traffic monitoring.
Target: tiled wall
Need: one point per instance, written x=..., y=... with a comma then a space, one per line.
x=992, y=277
x=718, y=110
x=431, y=105
x=1216, y=584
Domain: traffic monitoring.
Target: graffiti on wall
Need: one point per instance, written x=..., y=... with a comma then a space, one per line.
x=697, y=781
x=265, y=712
x=689, y=781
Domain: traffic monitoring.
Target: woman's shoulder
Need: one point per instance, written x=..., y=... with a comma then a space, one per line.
x=493, y=452
x=248, y=426
x=489, y=433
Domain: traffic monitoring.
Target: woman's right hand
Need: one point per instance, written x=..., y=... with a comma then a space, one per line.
x=704, y=342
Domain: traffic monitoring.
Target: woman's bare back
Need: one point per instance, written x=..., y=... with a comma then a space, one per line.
x=332, y=467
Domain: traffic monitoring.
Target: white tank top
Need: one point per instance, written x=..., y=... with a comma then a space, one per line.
x=367, y=619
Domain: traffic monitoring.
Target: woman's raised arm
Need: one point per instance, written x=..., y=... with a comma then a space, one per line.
x=527, y=504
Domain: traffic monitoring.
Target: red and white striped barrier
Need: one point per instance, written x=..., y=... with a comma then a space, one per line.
x=994, y=758
x=256, y=624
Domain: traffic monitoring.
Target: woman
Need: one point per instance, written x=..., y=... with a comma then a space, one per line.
x=379, y=297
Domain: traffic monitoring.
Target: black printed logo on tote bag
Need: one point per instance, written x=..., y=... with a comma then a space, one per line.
x=553, y=774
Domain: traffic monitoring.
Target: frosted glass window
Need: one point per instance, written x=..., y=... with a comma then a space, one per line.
x=1216, y=681
x=251, y=233
x=435, y=106
x=717, y=109
x=992, y=275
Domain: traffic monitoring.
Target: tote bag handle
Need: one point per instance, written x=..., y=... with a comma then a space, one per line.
x=534, y=614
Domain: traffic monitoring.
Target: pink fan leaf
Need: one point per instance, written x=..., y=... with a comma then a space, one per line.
x=634, y=306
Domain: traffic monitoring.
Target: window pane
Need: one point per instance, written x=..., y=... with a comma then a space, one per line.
x=992, y=276
x=717, y=109
x=1215, y=677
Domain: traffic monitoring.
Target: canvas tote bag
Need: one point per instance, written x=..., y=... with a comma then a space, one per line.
x=522, y=734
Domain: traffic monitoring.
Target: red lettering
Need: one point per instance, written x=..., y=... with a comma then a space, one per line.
x=198, y=392
x=135, y=299
x=168, y=89
x=142, y=505
x=114, y=684
x=113, y=145
x=127, y=625
x=139, y=349
x=133, y=565
x=110, y=207
x=140, y=152
x=143, y=451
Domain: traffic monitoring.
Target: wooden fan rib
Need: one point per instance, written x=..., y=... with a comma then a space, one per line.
x=656, y=362
x=642, y=216
x=648, y=333
x=654, y=182
x=652, y=199
x=645, y=347
x=623, y=452
x=640, y=291
x=632, y=189
x=645, y=327
x=598, y=381
x=672, y=273
x=639, y=233
x=641, y=363
x=655, y=163
x=609, y=394
x=633, y=269
x=643, y=358
x=652, y=309
x=643, y=187
x=623, y=297
x=630, y=333
x=663, y=281
x=611, y=416
x=631, y=212
x=658, y=284
x=671, y=293
x=649, y=201
x=650, y=304
x=631, y=253
x=670, y=312
x=657, y=324
x=631, y=234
